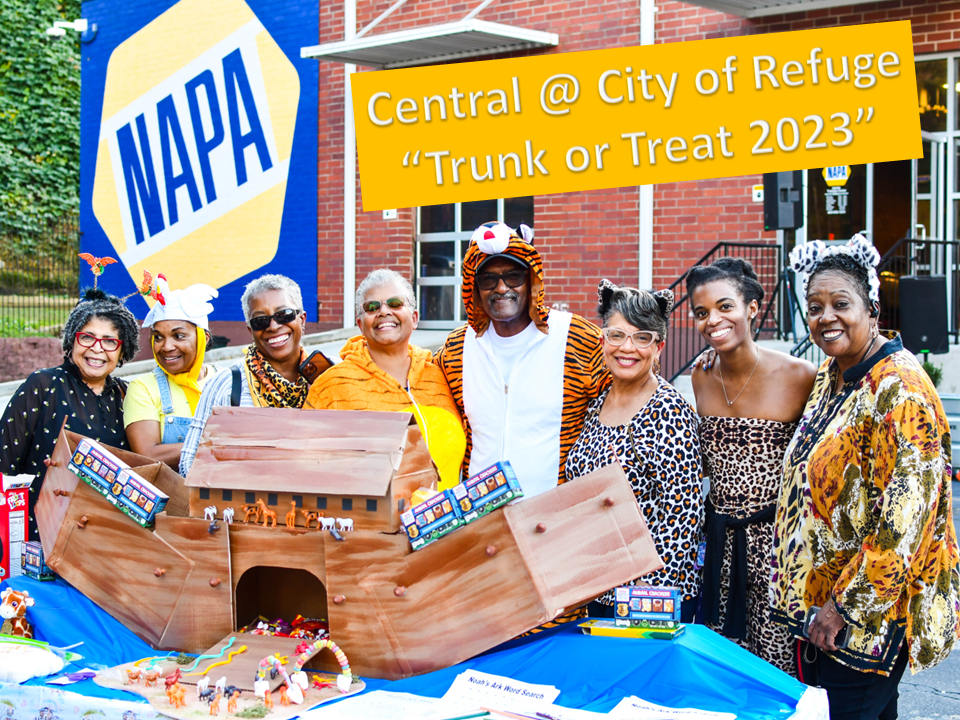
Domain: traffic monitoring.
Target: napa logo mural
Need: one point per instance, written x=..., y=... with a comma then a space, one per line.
x=197, y=130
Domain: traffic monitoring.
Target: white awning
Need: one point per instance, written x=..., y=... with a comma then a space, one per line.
x=432, y=44
x=763, y=8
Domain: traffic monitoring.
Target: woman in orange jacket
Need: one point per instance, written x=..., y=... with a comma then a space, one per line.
x=381, y=370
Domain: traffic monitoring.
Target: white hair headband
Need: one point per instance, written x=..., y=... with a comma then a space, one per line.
x=807, y=257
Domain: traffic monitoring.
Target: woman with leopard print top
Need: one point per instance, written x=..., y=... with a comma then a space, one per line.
x=749, y=403
x=653, y=431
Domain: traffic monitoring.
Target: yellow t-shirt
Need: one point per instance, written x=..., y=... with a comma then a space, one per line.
x=143, y=399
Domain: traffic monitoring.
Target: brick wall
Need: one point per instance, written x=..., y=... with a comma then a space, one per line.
x=586, y=236
x=21, y=356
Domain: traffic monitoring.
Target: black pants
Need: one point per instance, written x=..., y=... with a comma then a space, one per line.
x=853, y=695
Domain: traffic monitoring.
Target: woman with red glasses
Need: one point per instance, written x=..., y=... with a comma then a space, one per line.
x=98, y=337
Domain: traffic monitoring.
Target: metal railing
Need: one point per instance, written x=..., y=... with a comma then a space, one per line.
x=908, y=256
x=39, y=279
x=684, y=342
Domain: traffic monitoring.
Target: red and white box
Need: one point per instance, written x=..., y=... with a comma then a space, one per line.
x=13, y=522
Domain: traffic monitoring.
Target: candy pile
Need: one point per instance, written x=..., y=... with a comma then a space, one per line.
x=301, y=628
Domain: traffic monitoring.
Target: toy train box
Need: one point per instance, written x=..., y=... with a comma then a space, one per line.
x=487, y=490
x=113, y=478
x=647, y=607
x=32, y=563
x=430, y=520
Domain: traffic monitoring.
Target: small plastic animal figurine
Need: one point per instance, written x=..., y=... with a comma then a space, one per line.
x=14, y=608
x=178, y=695
x=151, y=678
x=232, y=702
x=344, y=524
x=215, y=705
x=309, y=516
x=203, y=685
x=327, y=523
x=213, y=527
x=133, y=675
x=267, y=514
x=210, y=512
x=208, y=694
x=284, y=699
x=228, y=514
x=251, y=511
x=173, y=678
x=268, y=699
x=221, y=684
x=291, y=518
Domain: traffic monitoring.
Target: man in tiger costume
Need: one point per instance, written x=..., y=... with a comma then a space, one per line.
x=521, y=375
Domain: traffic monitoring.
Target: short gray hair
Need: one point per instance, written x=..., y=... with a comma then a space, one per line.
x=379, y=278
x=265, y=283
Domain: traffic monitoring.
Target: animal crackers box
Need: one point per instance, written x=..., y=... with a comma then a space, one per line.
x=487, y=490
x=432, y=519
x=650, y=607
x=13, y=522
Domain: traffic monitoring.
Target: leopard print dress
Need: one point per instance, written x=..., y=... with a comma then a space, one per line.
x=744, y=459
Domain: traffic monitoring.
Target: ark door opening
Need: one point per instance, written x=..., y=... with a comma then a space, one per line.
x=277, y=592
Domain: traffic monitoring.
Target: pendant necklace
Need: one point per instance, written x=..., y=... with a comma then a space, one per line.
x=720, y=370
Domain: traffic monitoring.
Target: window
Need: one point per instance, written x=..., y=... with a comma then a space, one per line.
x=321, y=503
x=227, y=495
x=271, y=498
x=251, y=498
x=347, y=503
x=204, y=493
x=298, y=499
x=443, y=235
x=371, y=505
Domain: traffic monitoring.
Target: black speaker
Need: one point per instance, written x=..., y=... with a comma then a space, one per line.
x=923, y=313
x=783, y=200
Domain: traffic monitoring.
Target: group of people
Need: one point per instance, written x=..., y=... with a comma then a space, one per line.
x=824, y=542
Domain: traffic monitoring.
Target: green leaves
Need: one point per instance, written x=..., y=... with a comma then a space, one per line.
x=39, y=116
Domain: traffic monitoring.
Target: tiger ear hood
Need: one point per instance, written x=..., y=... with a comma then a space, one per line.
x=494, y=239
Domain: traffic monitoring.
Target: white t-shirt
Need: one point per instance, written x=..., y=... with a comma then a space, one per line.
x=508, y=349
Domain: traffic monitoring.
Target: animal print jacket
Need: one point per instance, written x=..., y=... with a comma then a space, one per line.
x=865, y=514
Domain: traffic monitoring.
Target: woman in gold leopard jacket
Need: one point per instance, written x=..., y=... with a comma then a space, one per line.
x=864, y=527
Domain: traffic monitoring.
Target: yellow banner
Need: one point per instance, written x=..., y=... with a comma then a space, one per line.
x=636, y=115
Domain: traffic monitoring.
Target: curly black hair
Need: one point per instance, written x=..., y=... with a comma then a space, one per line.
x=858, y=275
x=96, y=303
x=638, y=307
x=737, y=271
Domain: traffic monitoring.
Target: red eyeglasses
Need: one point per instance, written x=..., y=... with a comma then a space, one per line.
x=106, y=344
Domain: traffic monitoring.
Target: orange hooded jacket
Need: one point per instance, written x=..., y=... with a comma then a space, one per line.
x=358, y=383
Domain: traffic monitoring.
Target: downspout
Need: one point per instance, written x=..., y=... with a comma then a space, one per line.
x=645, y=250
x=349, y=175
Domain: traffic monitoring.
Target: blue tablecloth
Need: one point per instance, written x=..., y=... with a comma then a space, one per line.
x=700, y=669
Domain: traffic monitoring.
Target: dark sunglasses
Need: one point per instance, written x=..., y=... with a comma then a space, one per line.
x=106, y=344
x=283, y=317
x=512, y=279
x=394, y=303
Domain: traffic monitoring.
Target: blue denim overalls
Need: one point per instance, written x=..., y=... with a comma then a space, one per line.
x=174, y=428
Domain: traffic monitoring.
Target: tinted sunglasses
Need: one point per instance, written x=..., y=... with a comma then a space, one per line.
x=283, y=317
x=106, y=344
x=394, y=303
x=512, y=279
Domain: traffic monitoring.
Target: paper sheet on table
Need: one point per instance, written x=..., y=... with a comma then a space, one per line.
x=376, y=704
x=472, y=690
x=634, y=708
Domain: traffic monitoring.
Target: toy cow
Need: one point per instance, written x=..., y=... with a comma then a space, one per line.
x=14, y=608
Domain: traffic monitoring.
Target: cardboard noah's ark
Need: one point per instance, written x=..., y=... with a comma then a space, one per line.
x=394, y=612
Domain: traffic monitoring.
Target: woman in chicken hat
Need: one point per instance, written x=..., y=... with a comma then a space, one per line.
x=159, y=407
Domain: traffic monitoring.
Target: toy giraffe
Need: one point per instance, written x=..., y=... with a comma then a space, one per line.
x=292, y=515
x=14, y=608
x=267, y=513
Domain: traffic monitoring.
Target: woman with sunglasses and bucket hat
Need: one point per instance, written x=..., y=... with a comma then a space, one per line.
x=269, y=374
x=643, y=421
x=99, y=336
x=381, y=370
